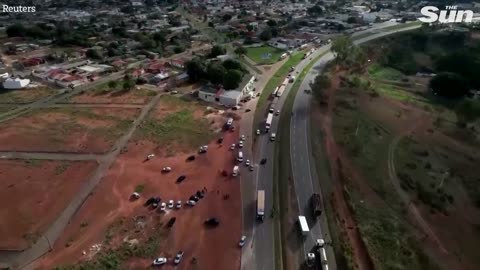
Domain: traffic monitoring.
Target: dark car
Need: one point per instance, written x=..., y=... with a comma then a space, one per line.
x=181, y=178
x=220, y=140
x=212, y=222
x=263, y=161
x=171, y=222
x=200, y=194
x=247, y=110
x=156, y=201
x=194, y=198
x=149, y=201
x=191, y=158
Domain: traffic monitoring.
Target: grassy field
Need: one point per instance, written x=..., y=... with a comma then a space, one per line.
x=379, y=72
x=23, y=96
x=272, y=83
x=255, y=53
x=177, y=127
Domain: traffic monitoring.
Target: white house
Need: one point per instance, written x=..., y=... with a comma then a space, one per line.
x=227, y=97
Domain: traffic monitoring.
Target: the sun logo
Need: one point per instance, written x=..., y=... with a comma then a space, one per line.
x=454, y=15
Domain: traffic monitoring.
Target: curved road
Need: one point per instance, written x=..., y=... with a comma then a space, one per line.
x=304, y=173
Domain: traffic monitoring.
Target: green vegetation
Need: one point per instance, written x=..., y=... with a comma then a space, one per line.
x=274, y=81
x=24, y=96
x=256, y=53
x=139, y=188
x=33, y=162
x=384, y=73
x=179, y=127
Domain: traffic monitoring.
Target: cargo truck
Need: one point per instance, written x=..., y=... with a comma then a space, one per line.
x=268, y=123
x=316, y=204
x=302, y=221
x=261, y=204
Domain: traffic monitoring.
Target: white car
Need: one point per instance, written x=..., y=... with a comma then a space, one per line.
x=240, y=144
x=242, y=241
x=174, y=92
x=191, y=203
x=170, y=204
x=160, y=261
x=271, y=110
x=203, y=149
x=247, y=162
x=166, y=169
x=272, y=137
x=320, y=242
x=178, y=257
x=242, y=138
x=163, y=206
x=179, y=204
x=277, y=112
x=232, y=147
x=258, y=131
x=150, y=156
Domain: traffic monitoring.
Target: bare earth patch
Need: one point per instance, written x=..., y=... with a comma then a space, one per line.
x=134, y=96
x=36, y=192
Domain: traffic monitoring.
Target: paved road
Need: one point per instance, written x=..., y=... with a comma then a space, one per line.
x=304, y=172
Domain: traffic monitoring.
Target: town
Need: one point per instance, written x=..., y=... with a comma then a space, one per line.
x=230, y=134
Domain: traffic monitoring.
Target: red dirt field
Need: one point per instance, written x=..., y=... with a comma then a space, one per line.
x=136, y=96
x=36, y=192
x=66, y=130
x=110, y=202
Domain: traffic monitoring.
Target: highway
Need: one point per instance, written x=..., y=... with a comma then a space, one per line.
x=259, y=251
x=304, y=172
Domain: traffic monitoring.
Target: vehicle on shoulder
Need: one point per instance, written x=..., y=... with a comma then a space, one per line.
x=171, y=221
x=200, y=194
x=163, y=206
x=191, y=158
x=156, y=201
x=135, y=196
x=179, y=204
x=181, y=178
x=242, y=241
x=150, y=201
x=258, y=132
x=232, y=147
x=203, y=149
x=166, y=169
x=220, y=140
x=251, y=168
x=191, y=203
x=212, y=222
x=263, y=161
x=170, y=204
x=242, y=137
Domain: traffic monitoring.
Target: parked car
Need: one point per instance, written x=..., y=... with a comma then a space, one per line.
x=166, y=169
x=242, y=138
x=199, y=194
x=194, y=198
x=232, y=147
x=159, y=261
x=171, y=221
x=156, y=201
x=203, y=149
x=179, y=204
x=220, y=140
x=212, y=222
x=263, y=161
x=247, y=162
x=181, y=178
x=163, y=206
x=191, y=158
x=150, y=156
x=247, y=110
x=170, y=204
x=191, y=203
x=178, y=257
x=150, y=201
x=258, y=132
x=135, y=196
x=242, y=241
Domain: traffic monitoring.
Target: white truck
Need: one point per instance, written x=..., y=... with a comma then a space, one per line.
x=275, y=91
x=302, y=221
x=268, y=123
x=280, y=91
x=261, y=204
x=235, y=171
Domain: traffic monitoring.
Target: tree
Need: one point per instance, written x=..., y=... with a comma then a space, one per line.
x=148, y=43
x=341, y=47
x=232, y=64
x=240, y=51
x=94, y=54
x=119, y=31
x=266, y=34
x=159, y=37
x=128, y=84
x=216, y=73
x=210, y=24
x=112, y=84
x=449, y=85
x=196, y=69
x=271, y=23
x=141, y=80
x=250, y=27
x=352, y=20
x=178, y=49
x=232, y=79
x=321, y=82
x=468, y=110
x=216, y=51
x=226, y=17
x=16, y=30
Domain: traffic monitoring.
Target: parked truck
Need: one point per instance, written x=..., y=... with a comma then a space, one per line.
x=261, y=204
x=316, y=204
x=302, y=221
x=235, y=171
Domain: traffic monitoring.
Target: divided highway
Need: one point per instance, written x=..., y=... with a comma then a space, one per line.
x=259, y=252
